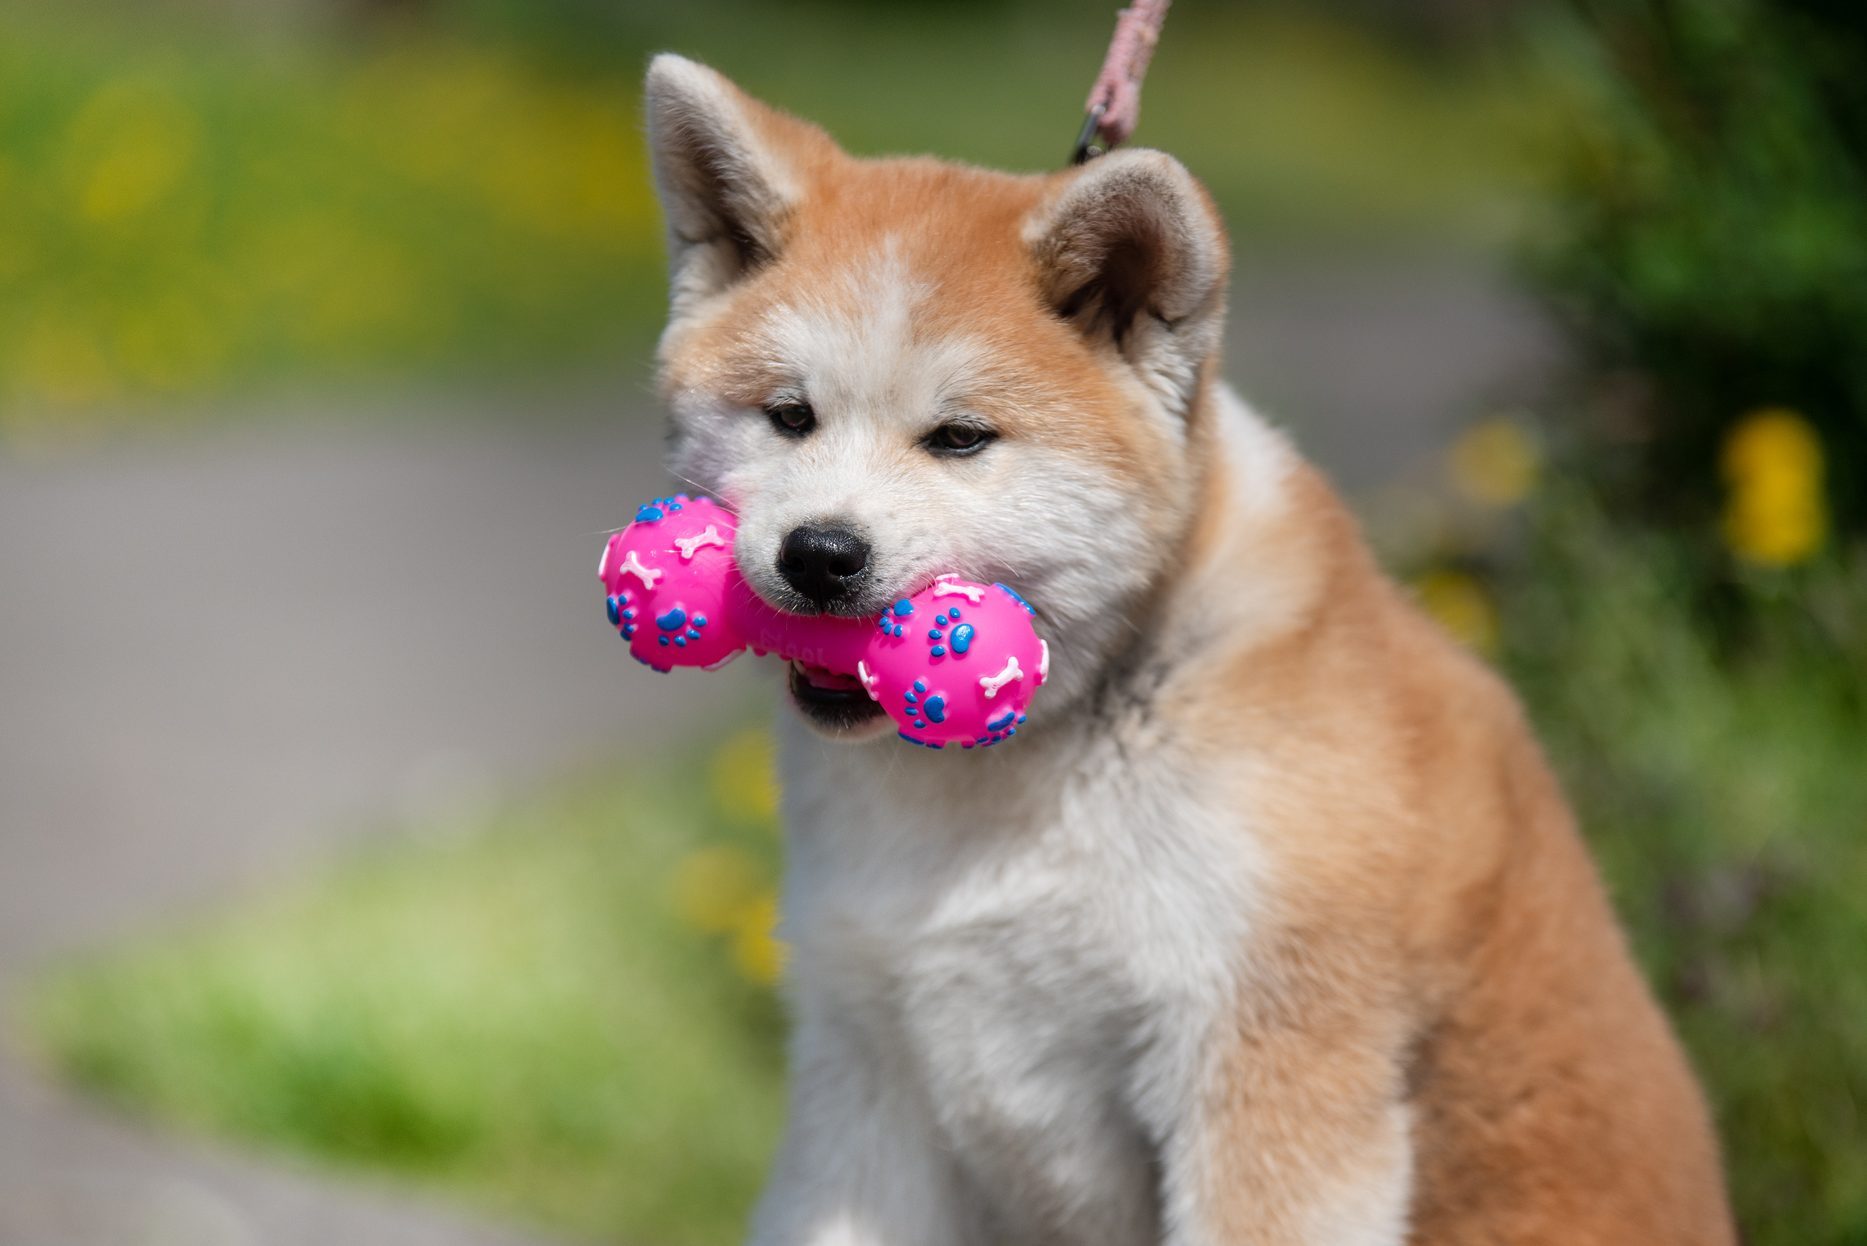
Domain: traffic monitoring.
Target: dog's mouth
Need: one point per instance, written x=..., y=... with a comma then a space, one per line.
x=830, y=700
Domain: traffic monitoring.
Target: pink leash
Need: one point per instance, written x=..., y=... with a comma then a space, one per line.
x=1115, y=100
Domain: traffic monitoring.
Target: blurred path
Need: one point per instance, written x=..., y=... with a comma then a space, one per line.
x=222, y=655
x=1374, y=363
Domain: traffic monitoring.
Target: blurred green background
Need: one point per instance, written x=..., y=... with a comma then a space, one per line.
x=563, y=1011
x=212, y=201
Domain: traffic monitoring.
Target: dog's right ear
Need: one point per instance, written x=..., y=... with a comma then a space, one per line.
x=729, y=171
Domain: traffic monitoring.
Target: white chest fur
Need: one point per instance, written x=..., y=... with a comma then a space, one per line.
x=1038, y=941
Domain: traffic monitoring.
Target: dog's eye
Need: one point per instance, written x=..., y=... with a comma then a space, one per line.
x=793, y=419
x=955, y=440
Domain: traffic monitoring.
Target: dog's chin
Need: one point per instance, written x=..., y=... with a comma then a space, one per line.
x=835, y=706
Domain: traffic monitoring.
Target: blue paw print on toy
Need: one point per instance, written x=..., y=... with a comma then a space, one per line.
x=925, y=707
x=1013, y=594
x=940, y=640
x=1000, y=728
x=660, y=508
x=889, y=622
x=621, y=615
x=677, y=628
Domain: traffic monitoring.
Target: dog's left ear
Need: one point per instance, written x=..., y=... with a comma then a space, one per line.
x=1131, y=251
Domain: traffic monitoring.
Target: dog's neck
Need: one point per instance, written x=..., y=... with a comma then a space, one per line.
x=1249, y=566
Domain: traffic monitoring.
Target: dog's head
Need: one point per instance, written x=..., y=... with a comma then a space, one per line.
x=897, y=368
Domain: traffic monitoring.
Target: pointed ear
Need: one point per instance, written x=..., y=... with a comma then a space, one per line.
x=729, y=171
x=1131, y=251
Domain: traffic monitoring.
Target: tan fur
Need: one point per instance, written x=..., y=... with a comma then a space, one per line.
x=1447, y=902
x=1438, y=938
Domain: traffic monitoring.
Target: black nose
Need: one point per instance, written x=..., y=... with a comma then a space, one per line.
x=823, y=561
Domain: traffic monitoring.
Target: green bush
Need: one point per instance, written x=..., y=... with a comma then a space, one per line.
x=1683, y=604
x=1710, y=240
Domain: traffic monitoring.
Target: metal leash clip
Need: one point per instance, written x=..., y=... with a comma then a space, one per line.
x=1086, y=148
x=1115, y=99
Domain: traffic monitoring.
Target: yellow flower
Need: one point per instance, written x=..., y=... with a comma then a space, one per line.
x=757, y=950
x=1460, y=604
x=1774, y=515
x=713, y=888
x=1495, y=463
x=128, y=148
x=744, y=774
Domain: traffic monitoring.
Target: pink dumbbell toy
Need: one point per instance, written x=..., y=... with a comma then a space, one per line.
x=957, y=661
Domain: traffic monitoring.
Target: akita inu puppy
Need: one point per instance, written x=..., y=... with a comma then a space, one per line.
x=1271, y=926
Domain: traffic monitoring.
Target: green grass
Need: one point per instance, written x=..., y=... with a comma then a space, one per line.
x=513, y=1012
x=192, y=209
x=184, y=215
x=530, y=1014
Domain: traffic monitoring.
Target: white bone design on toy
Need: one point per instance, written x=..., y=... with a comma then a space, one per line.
x=1010, y=675
x=632, y=565
x=689, y=544
x=944, y=587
